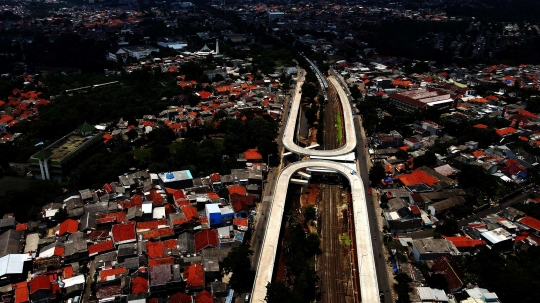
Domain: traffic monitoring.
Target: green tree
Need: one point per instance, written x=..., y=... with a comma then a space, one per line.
x=376, y=174
x=448, y=228
x=310, y=213
x=224, y=193
x=238, y=263
x=278, y=292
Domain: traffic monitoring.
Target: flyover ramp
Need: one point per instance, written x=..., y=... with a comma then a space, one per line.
x=348, y=125
x=364, y=250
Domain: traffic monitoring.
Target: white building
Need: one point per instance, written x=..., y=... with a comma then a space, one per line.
x=276, y=15
x=140, y=51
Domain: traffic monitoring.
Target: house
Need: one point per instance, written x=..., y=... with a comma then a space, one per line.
x=531, y=223
x=139, y=51
x=206, y=238
x=422, y=99
x=428, y=294
x=10, y=242
x=124, y=233
x=55, y=161
x=464, y=243
x=429, y=249
x=68, y=226
x=498, y=239
x=176, y=180
x=12, y=267
x=40, y=288
x=194, y=277
x=438, y=208
x=204, y=297
x=480, y=295
x=213, y=214
x=447, y=267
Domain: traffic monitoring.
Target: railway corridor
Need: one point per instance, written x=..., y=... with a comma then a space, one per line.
x=333, y=265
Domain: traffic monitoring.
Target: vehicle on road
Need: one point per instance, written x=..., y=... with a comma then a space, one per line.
x=369, y=191
x=381, y=296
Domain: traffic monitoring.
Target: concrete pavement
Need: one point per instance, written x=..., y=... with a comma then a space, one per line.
x=290, y=128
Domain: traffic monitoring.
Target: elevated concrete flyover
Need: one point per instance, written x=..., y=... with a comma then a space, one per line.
x=364, y=250
x=348, y=125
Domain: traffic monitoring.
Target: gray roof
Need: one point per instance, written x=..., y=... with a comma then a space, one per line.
x=128, y=249
x=131, y=263
x=448, y=203
x=74, y=202
x=99, y=207
x=88, y=221
x=74, y=247
x=7, y=222
x=160, y=274
x=186, y=243
x=211, y=264
x=134, y=212
x=75, y=213
x=10, y=242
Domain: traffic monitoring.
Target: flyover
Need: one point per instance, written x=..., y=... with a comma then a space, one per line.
x=348, y=125
x=364, y=250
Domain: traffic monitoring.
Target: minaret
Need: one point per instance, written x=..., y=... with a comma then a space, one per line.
x=217, y=46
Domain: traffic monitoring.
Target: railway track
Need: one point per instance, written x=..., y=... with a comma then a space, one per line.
x=333, y=264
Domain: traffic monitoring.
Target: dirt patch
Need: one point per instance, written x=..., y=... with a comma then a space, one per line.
x=310, y=197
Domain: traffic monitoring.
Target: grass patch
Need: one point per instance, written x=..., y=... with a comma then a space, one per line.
x=346, y=240
x=339, y=129
x=219, y=143
x=141, y=154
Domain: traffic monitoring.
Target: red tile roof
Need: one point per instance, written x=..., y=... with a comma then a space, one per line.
x=417, y=177
x=505, y=131
x=117, y=217
x=215, y=177
x=190, y=212
x=415, y=210
x=149, y=225
x=160, y=261
x=68, y=272
x=478, y=153
x=107, y=274
x=240, y=222
x=450, y=270
x=139, y=285
x=530, y=222
x=237, y=189
x=124, y=233
x=40, y=282
x=180, y=297
x=154, y=249
x=158, y=233
x=252, y=154
x=206, y=238
x=204, y=297
x=170, y=244
x=21, y=226
x=68, y=226
x=98, y=234
x=241, y=202
x=59, y=251
x=108, y=188
x=482, y=126
x=194, y=276
x=100, y=247
x=464, y=242
x=21, y=292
